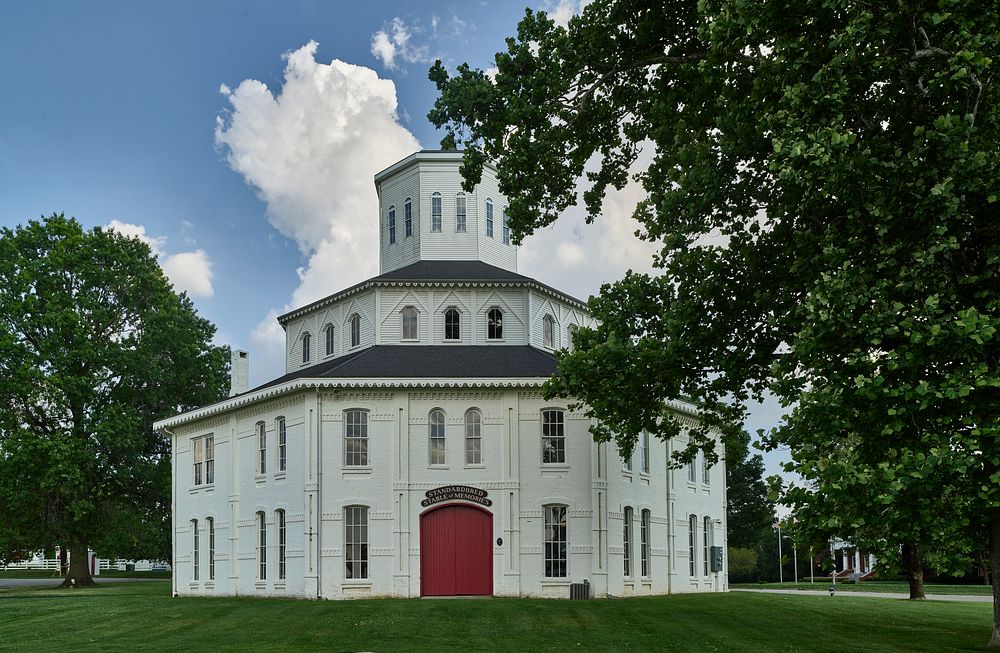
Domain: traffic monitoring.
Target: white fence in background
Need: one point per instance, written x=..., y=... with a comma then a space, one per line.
x=101, y=564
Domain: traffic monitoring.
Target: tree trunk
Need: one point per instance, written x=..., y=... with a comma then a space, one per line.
x=79, y=565
x=995, y=572
x=914, y=565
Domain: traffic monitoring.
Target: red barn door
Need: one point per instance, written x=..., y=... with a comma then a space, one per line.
x=456, y=551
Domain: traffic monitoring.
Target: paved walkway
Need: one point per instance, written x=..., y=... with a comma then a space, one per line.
x=9, y=583
x=878, y=595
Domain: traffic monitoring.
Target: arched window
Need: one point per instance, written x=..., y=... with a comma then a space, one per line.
x=282, y=542
x=436, y=435
x=408, y=217
x=692, y=535
x=409, y=319
x=195, y=566
x=553, y=436
x=549, y=331
x=506, y=229
x=279, y=427
x=356, y=542
x=261, y=547
x=452, y=324
x=556, y=541
x=706, y=538
x=570, y=332
x=211, y=548
x=306, y=346
x=356, y=438
x=392, y=225
x=329, y=333
x=489, y=217
x=436, y=212
x=494, y=324
x=460, y=212
x=627, y=540
x=644, y=543
x=355, y=330
x=261, y=448
x=473, y=437
x=644, y=452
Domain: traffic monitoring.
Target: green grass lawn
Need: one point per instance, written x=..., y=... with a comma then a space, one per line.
x=143, y=617
x=894, y=586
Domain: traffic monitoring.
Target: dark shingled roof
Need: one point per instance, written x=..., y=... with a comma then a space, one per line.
x=431, y=361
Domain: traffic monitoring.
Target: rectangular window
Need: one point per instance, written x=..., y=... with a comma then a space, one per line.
x=261, y=547
x=282, y=444
x=281, y=545
x=489, y=219
x=356, y=438
x=211, y=549
x=644, y=452
x=506, y=229
x=356, y=542
x=198, y=455
x=627, y=541
x=392, y=226
x=436, y=212
x=194, y=550
x=553, y=437
x=692, y=473
x=692, y=535
x=460, y=213
x=705, y=469
x=626, y=463
x=644, y=543
x=209, y=459
x=261, y=448
x=408, y=218
x=706, y=538
x=555, y=541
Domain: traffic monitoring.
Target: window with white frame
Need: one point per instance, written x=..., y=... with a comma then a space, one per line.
x=195, y=564
x=705, y=469
x=261, y=547
x=211, y=547
x=209, y=459
x=355, y=330
x=198, y=455
x=279, y=427
x=306, y=346
x=452, y=324
x=473, y=437
x=261, y=448
x=356, y=438
x=408, y=316
x=408, y=217
x=626, y=463
x=644, y=543
x=460, y=212
x=436, y=212
x=549, y=331
x=692, y=539
x=435, y=426
x=644, y=452
x=692, y=470
x=356, y=542
x=282, y=542
x=556, y=541
x=627, y=540
x=494, y=324
x=706, y=537
x=570, y=332
x=489, y=217
x=506, y=229
x=329, y=333
x=553, y=436
x=392, y=225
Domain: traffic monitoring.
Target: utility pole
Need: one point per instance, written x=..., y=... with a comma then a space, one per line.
x=781, y=571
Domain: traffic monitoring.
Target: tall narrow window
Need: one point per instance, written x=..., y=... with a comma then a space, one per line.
x=473, y=437
x=195, y=564
x=706, y=542
x=692, y=535
x=627, y=540
x=355, y=330
x=408, y=217
x=356, y=542
x=409, y=319
x=570, y=333
x=705, y=469
x=436, y=436
x=549, y=331
x=692, y=470
x=644, y=452
x=452, y=324
x=329, y=339
x=282, y=443
x=626, y=463
x=355, y=438
x=436, y=212
x=506, y=229
x=489, y=217
x=392, y=225
x=555, y=537
x=494, y=324
x=261, y=448
x=553, y=437
x=261, y=547
x=460, y=212
x=198, y=457
x=280, y=514
x=209, y=459
x=306, y=347
x=644, y=543
x=211, y=548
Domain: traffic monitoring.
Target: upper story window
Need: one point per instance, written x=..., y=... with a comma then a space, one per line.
x=279, y=426
x=705, y=469
x=494, y=324
x=570, y=332
x=556, y=541
x=195, y=566
x=409, y=319
x=506, y=229
x=306, y=346
x=627, y=541
x=355, y=330
x=692, y=535
x=436, y=212
x=329, y=335
x=626, y=463
x=392, y=225
x=356, y=542
x=644, y=544
x=261, y=448
x=408, y=217
x=549, y=331
x=204, y=460
x=356, y=438
x=261, y=547
x=644, y=452
x=473, y=437
x=692, y=470
x=460, y=212
x=553, y=436
x=436, y=436
x=452, y=324
x=489, y=217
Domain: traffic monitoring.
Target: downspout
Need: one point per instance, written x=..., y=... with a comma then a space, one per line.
x=173, y=511
x=319, y=494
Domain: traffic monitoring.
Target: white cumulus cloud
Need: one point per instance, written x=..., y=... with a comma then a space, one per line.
x=395, y=41
x=187, y=271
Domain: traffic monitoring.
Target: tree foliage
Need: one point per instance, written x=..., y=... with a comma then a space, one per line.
x=824, y=183
x=750, y=511
x=94, y=346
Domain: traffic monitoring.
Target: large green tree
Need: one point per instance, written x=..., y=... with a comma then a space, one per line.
x=846, y=156
x=750, y=511
x=94, y=346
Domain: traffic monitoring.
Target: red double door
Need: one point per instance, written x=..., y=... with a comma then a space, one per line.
x=456, y=551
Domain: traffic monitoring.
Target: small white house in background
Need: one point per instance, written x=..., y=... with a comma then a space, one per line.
x=407, y=450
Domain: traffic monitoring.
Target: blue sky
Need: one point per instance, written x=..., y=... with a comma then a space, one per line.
x=226, y=135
